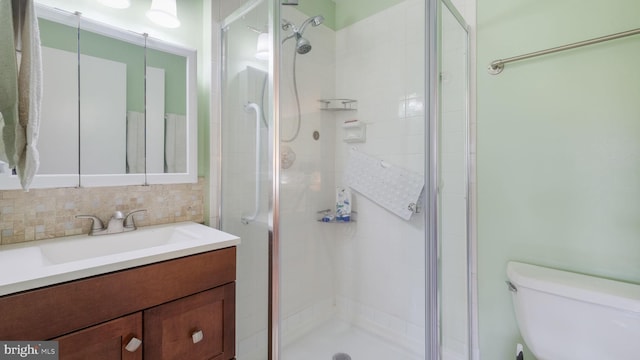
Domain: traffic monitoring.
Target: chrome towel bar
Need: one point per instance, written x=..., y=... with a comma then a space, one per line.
x=497, y=66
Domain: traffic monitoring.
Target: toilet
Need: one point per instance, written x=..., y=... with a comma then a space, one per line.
x=568, y=316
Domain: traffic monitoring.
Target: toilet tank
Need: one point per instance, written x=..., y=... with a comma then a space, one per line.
x=569, y=316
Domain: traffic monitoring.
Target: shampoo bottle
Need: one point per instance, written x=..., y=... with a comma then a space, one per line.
x=343, y=204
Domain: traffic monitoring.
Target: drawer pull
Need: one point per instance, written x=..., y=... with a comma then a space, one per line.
x=197, y=336
x=133, y=344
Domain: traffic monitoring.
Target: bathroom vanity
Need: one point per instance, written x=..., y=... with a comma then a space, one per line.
x=177, y=308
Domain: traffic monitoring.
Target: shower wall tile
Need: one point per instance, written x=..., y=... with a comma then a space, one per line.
x=380, y=259
x=307, y=275
x=48, y=213
x=300, y=323
x=388, y=326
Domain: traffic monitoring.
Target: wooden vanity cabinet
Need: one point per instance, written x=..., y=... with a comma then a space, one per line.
x=181, y=309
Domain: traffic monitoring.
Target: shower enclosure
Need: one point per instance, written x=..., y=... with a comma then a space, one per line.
x=327, y=100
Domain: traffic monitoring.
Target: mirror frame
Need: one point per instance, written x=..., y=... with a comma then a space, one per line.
x=191, y=175
x=103, y=180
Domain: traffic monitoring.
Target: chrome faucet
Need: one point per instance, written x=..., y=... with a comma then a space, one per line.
x=117, y=224
x=129, y=223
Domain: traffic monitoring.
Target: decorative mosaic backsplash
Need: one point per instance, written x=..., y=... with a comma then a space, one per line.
x=48, y=213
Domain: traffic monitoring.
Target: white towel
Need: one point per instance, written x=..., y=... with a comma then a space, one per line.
x=8, y=84
x=135, y=142
x=176, y=143
x=29, y=95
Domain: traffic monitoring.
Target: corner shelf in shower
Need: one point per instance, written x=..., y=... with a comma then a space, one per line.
x=334, y=221
x=323, y=213
x=338, y=104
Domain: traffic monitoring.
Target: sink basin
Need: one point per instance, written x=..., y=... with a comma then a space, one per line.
x=34, y=264
x=97, y=246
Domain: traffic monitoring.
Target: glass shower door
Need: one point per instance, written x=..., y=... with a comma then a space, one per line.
x=352, y=94
x=245, y=170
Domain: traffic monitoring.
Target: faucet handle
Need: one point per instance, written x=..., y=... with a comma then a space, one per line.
x=96, y=223
x=129, y=220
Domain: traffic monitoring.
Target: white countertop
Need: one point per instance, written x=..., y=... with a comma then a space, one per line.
x=34, y=264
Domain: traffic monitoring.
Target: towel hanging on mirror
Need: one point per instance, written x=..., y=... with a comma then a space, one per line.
x=29, y=96
x=8, y=85
x=23, y=85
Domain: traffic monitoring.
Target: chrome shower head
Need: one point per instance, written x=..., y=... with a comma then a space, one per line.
x=303, y=45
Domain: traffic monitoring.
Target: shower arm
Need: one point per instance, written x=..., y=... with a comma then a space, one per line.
x=295, y=34
x=256, y=108
x=286, y=25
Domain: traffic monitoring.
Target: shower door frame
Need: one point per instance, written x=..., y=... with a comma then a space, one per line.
x=274, y=199
x=432, y=270
x=434, y=138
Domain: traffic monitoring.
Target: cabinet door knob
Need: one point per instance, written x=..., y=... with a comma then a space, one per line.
x=133, y=344
x=197, y=336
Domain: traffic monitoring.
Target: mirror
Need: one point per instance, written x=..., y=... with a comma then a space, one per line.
x=101, y=124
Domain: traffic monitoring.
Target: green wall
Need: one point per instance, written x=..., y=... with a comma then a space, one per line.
x=132, y=56
x=58, y=36
x=175, y=79
x=352, y=11
x=341, y=14
x=64, y=37
x=558, y=150
x=326, y=8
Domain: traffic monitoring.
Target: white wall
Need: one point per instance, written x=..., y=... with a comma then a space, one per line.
x=103, y=135
x=58, y=139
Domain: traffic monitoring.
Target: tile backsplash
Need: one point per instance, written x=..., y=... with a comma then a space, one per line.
x=48, y=213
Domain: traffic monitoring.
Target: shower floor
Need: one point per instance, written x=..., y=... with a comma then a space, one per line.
x=336, y=336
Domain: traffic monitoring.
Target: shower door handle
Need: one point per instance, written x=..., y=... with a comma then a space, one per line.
x=256, y=108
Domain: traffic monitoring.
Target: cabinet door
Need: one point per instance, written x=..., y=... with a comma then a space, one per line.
x=103, y=342
x=198, y=327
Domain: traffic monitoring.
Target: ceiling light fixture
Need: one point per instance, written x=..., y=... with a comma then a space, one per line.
x=262, y=51
x=164, y=13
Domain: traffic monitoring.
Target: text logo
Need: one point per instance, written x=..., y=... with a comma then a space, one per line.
x=10, y=350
